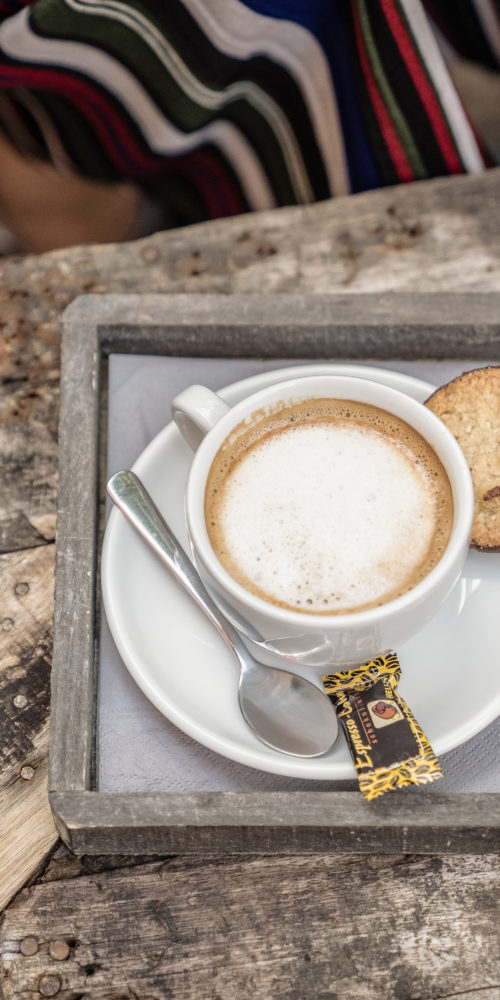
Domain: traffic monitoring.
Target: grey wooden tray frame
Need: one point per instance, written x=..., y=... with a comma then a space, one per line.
x=405, y=326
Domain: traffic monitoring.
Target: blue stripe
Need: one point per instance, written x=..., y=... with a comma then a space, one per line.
x=326, y=21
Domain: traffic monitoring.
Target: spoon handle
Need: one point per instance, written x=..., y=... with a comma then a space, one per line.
x=129, y=494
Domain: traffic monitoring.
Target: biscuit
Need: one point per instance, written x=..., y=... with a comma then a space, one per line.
x=470, y=408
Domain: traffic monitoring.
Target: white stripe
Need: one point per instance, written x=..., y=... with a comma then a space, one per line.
x=163, y=138
x=206, y=97
x=238, y=31
x=450, y=101
x=489, y=19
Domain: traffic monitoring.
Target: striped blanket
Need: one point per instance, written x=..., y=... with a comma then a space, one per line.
x=219, y=107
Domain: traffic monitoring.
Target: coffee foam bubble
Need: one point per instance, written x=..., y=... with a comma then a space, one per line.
x=326, y=516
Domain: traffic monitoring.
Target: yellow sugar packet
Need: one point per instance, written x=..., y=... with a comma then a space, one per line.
x=388, y=746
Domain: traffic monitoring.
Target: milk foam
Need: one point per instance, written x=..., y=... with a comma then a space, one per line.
x=326, y=516
x=327, y=506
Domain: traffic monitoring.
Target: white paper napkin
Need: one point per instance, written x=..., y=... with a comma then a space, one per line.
x=140, y=750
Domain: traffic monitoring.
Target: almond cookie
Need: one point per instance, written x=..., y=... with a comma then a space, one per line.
x=470, y=408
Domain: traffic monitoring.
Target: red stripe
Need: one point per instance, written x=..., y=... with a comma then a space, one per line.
x=394, y=146
x=9, y=8
x=101, y=115
x=423, y=87
x=214, y=183
x=209, y=176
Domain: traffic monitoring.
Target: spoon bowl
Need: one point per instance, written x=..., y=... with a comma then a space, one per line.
x=286, y=712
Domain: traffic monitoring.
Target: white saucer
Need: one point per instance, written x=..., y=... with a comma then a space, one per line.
x=450, y=676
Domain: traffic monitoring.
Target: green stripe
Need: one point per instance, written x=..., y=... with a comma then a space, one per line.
x=391, y=104
x=432, y=85
x=179, y=107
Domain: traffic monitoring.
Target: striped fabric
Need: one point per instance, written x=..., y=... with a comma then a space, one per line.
x=218, y=107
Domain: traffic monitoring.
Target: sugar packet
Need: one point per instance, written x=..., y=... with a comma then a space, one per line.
x=388, y=746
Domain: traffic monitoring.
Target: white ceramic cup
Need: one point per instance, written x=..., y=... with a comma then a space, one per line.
x=320, y=642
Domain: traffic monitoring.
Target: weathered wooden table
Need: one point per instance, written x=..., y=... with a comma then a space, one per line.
x=347, y=927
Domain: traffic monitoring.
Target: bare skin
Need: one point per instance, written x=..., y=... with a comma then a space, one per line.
x=46, y=209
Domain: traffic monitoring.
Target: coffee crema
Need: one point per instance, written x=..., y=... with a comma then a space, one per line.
x=327, y=506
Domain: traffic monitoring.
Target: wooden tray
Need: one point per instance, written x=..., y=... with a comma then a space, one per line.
x=402, y=326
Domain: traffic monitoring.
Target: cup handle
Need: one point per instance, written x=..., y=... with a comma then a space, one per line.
x=196, y=410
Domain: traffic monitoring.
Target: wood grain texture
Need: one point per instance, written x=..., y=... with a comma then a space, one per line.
x=28, y=446
x=413, y=821
x=388, y=325
x=77, y=512
x=25, y=650
x=27, y=831
x=318, y=927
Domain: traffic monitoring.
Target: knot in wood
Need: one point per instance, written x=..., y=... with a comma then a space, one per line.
x=21, y=589
x=49, y=985
x=28, y=946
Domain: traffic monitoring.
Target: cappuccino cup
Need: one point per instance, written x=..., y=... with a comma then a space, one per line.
x=329, y=516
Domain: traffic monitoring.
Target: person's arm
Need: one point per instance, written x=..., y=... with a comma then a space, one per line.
x=46, y=209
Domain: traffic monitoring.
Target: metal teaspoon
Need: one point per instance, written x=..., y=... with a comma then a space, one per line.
x=286, y=712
